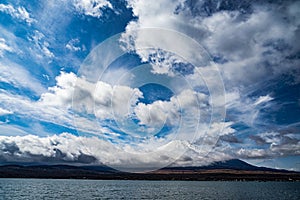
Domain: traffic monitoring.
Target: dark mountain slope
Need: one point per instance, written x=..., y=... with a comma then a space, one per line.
x=227, y=170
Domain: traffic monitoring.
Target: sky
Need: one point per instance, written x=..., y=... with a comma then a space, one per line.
x=140, y=85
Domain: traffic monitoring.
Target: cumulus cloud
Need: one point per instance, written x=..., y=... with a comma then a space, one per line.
x=233, y=33
x=41, y=110
x=61, y=94
x=72, y=45
x=101, y=99
x=92, y=8
x=69, y=148
x=74, y=98
x=170, y=112
x=90, y=150
x=105, y=101
x=30, y=148
x=20, y=13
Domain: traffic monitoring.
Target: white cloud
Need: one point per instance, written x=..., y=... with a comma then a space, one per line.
x=250, y=52
x=254, y=43
x=114, y=101
x=92, y=8
x=5, y=112
x=25, y=148
x=263, y=99
x=252, y=153
x=20, y=13
x=73, y=45
x=101, y=99
x=4, y=47
x=187, y=103
x=160, y=15
x=41, y=48
x=60, y=95
x=71, y=100
x=69, y=148
x=17, y=76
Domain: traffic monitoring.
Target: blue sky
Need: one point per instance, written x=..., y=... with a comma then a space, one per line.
x=142, y=84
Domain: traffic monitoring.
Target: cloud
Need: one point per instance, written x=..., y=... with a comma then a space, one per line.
x=41, y=47
x=60, y=95
x=19, y=13
x=69, y=148
x=4, y=47
x=66, y=147
x=263, y=99
x=5, y=112
x=267, y=145
x=11, y=130
x=74, y=99
x=244, y=43
x=245, y=51
x=54, y=149
x=250, y=58
x=32, y=47
x=253, y=46
x=101, y=99
x=73, y=45
x=92, y=8
x=19, y=77
x=187, y=103
x=117, y=98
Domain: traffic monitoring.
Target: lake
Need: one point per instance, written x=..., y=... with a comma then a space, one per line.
x=127, y=189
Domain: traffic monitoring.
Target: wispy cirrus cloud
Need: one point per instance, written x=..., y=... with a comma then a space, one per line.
x=4, y=47
x=5, y=112
x=19, y=77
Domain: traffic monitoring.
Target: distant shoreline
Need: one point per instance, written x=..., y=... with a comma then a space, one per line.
x=230, y=170
x=71, y=172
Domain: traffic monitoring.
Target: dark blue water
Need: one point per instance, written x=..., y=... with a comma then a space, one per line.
x=114, y=189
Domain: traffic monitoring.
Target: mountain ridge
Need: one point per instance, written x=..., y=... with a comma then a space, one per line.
x=233, y=164
x=223, y=170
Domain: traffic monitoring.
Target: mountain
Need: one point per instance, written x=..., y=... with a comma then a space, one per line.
x=234, y=164
x=225, y=170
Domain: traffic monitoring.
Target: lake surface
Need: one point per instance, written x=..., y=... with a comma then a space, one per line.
x=122, y=189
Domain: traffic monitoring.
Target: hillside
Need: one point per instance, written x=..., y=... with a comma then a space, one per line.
x=226, y=171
